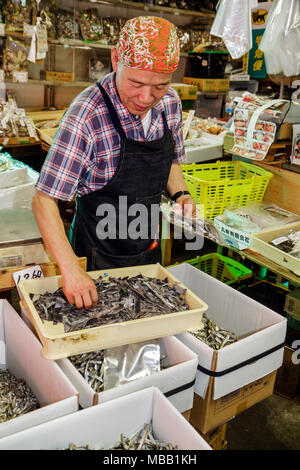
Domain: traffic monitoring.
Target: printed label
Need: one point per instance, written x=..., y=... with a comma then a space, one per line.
x=20, y=77
x=279, y=240
x=10, y=261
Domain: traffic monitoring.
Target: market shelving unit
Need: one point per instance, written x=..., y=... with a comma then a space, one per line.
x=71, y=54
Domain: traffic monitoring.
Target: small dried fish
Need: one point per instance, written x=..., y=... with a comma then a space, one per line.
x=90, y=366
x=142, y=440
x=213, y=335
x=16, y=398
x=119, y=300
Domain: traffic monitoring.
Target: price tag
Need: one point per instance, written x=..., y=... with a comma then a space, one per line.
x=20, y=77
x=34, y=272
x=2, y=29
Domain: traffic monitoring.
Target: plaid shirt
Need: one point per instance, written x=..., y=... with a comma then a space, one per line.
x=86, y=149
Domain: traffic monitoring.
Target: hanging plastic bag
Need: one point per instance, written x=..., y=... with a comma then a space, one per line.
x=233, y=24
x=281, y=39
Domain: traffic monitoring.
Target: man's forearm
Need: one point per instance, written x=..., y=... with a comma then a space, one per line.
x=52, y=229
x=176, y=180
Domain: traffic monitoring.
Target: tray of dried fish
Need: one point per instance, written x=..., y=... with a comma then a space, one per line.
x=280, y=245
x=135, y=304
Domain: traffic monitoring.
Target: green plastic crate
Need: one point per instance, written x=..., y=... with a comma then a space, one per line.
x=221, y=267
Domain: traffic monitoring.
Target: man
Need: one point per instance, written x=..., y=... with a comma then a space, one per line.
x=120, y=141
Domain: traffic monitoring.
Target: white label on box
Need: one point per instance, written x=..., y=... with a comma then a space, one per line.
x=10, y=261
x=2, y=29
x=34, y=272
x=2, y=77
x=279, y=240
x=20, y=77
x=2, y=355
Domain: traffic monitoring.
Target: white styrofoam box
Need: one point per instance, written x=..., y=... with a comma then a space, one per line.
x=207, y=147
x=21, y=195
x=13, y=177
x=177, y=381
x=102, y=425
x=23, y=358
x=258, y=329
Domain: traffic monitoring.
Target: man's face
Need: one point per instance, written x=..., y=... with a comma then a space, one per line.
x=140, y=90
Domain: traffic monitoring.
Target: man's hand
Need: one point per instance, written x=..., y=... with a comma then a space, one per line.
x=186, y=205
x=79, y=288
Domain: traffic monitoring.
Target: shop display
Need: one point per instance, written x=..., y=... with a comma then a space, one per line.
x=47, y=13
x=16, y=398
x=289, y=243
x=119, y=300
x=14, y=57
x=213, y=335
x=98, y=69
x=67, y=26
x=91, y=26
x=18, y=12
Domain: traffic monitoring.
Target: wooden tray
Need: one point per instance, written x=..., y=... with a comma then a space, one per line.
x=58, y=344
x=260, y=244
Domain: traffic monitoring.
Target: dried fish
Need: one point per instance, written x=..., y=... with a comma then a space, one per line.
x=213, y=335
x=142, y=440
x=16, y=398
x=119, y=300
x=90, y=366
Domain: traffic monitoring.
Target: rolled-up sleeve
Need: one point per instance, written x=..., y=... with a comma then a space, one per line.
x=69, y=153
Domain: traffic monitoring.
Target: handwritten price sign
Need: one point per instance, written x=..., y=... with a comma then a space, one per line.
x=34, y=272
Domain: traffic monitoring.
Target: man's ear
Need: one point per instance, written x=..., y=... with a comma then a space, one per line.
x=114, y=59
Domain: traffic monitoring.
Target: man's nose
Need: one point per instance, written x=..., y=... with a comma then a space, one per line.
x=146, y=95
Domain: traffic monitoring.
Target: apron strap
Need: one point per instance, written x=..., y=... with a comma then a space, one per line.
x=112, y=112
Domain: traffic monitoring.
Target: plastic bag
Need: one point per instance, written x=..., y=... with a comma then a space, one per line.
x=131, y=362
x=257, y=217
x=281, y=39
x=15, y=57
x=192, y=227
x=233, y=24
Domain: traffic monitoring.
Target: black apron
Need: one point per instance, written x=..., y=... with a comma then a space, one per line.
x=141, y=176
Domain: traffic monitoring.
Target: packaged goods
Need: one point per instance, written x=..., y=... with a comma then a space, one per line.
x=91, y=26
x=67, y=26
x=18, y=12
x=47, y=13
x=15, y=57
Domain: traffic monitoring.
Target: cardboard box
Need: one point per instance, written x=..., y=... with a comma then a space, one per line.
x=185, y=91
x=212, y=85
x=287, y=382
x=20, y=353
x=257, y=353
x=176, y=381
x=58, y=344
x=102, y=425
x=207, y=414
x=292, y=303
x=59, y=76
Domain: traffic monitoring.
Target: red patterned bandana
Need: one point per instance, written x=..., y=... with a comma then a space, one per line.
x=149, y=43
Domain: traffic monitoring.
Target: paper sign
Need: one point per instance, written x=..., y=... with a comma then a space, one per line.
x=34, y=272
x=20, y=77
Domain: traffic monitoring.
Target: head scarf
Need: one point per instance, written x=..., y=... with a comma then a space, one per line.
x=149, y=43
